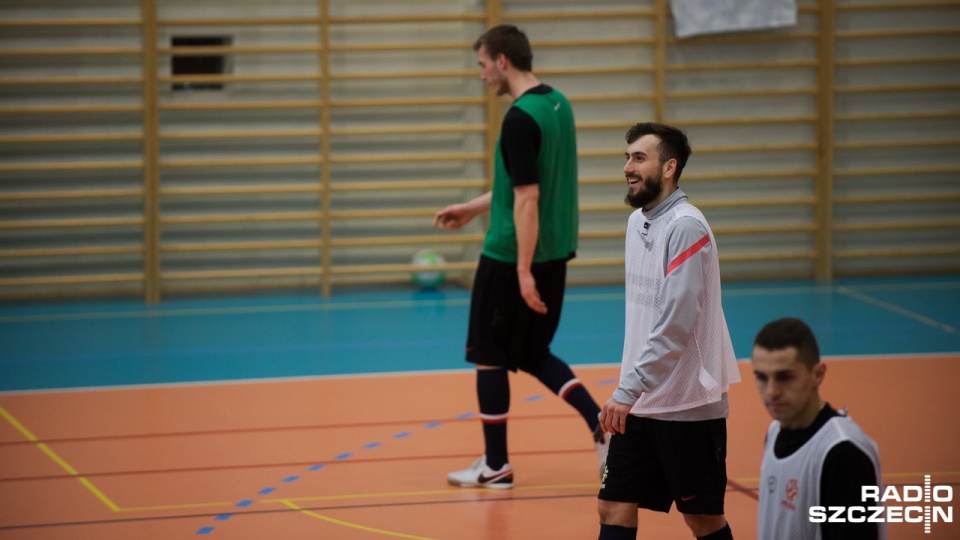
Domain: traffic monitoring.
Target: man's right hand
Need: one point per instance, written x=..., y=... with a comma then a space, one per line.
x=452, y=217
x=613, y=416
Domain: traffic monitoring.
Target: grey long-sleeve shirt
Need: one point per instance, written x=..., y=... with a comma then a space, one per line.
x=665, y=316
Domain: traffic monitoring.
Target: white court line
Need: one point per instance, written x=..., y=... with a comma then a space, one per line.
x=896, y=309
x=387, y=374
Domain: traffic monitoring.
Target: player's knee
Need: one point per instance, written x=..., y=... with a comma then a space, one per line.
x=703, y=524
x=617, y=513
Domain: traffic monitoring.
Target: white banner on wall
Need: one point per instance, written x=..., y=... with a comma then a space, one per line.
x=697, y=17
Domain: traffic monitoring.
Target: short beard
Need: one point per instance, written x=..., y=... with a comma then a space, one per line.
x=645, y=196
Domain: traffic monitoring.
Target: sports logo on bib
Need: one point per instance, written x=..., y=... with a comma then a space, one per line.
x=793, y=489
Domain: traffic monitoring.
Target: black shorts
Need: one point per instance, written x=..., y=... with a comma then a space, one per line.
x=504, y=331
x=657, y=463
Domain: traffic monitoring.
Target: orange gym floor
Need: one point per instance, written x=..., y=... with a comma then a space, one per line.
x=366, y=457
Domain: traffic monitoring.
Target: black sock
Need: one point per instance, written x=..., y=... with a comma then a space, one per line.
x=616, y=532
x=493, y=395
x=723, y=534
x=556, y=375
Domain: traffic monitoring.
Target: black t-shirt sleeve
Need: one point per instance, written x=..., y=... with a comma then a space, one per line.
x=845, y=469
x=520, y=146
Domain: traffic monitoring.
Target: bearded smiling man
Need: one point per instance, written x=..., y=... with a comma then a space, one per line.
x=642, y=190
x=668, y=413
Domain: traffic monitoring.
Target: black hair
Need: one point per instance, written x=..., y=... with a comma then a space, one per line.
x=673, y=143
x=790, y=332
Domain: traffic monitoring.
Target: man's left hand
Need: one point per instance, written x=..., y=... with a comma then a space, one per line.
x=528, y=290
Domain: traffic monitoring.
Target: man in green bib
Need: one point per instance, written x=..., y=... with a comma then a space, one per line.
x=520, y=280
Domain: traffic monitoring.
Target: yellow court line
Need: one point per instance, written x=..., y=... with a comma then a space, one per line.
x=911, y=475
x=369, y=495
x=421, y=493
x=746, y=480
x=351, y=525
x=99, y=494
x=185, y=506
x=358, y=496
x=59, y=460
x=17, y=425
x=558, y=486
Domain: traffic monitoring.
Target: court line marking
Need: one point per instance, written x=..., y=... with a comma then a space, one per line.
x=93, y=488
x=100, y=495
x=264, y=430
x=328, y=519
x=185, y=506
x=897, y=309
x=752, y=493
x=23, y=430
x=266, y=512
x=921, y=474
x=456, y=301
x=59, y=460
x=450, y=491
x=752, y=479
x=244, y=310
x=465, y=370
x=736, y=483
x=320, y=466
x=207, y=530
x=18, y=426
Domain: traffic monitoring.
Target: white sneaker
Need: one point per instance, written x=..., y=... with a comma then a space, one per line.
x=479, y=475
x=602, y=441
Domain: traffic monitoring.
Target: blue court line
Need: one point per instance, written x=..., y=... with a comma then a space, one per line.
x=405, y=434
x=268, y=490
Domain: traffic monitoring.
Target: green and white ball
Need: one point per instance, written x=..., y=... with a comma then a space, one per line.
x=428, y=279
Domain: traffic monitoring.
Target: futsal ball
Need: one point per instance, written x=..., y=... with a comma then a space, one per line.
x=430, y=278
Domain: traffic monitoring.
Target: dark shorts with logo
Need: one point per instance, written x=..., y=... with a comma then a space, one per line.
x=657, y=463
x=504, y=331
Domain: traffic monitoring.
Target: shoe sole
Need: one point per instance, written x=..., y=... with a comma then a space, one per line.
x=491, y=485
